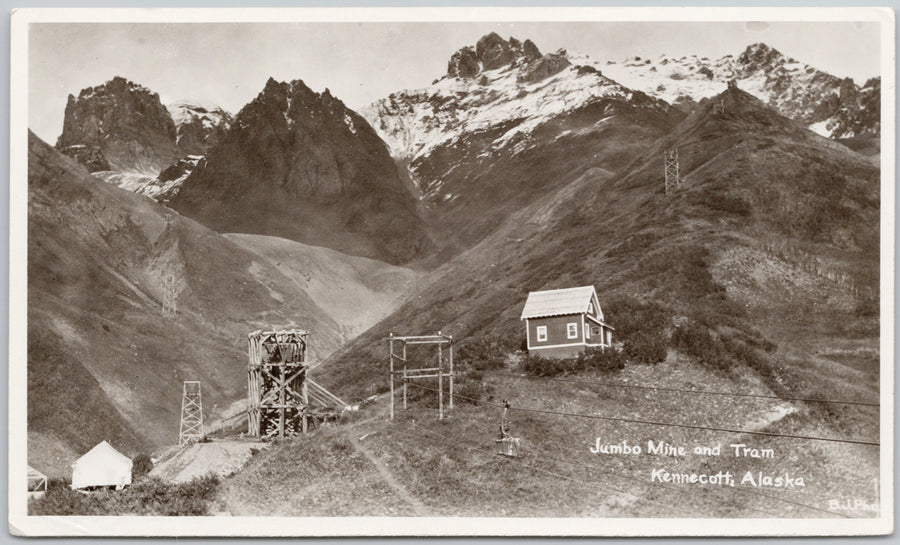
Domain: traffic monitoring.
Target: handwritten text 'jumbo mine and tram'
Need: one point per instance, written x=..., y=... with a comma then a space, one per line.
x=757, y=479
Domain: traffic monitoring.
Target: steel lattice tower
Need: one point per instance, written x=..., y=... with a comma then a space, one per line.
x=191, y=413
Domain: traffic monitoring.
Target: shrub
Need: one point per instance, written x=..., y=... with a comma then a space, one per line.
x=142, y=464
x=729, y=204
x=484, y=353
x=592, y=358
x=723, y=352
x=647, y=348
x=633, y=318
x=602, y=360
x=693, y=339
x=867, y=308
x=642, y=329
x=549, y=367
x=148, y=497
x=472, y=392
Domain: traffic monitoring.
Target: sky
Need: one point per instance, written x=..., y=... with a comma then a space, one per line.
x=228, y=63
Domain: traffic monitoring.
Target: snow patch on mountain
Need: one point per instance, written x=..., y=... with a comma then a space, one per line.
x=797, y=90
x=414, y=122
x=187, y=110
x=132, y=180
x=169, y=182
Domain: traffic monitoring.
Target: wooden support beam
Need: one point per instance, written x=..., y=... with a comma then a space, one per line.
x=451, y=373
x=422, y=370
x=404, y=376
x=440, y=381
x=415, y=337
x=391, y=352
x=408, y=374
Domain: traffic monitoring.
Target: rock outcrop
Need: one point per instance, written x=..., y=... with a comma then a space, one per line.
x=301, y=165
x=125, y=121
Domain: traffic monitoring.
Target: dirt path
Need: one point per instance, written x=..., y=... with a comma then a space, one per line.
x=418, y=507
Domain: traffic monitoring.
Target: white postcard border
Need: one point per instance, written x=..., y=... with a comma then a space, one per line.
x=21, y=524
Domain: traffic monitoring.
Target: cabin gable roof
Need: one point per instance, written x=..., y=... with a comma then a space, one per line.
x=541, y=304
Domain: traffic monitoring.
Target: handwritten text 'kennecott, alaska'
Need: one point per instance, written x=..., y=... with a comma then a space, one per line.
x=757, y=479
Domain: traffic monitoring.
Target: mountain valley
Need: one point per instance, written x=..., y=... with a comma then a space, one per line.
x=753, y=274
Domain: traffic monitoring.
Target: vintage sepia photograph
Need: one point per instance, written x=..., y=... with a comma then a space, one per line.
x=579, y=271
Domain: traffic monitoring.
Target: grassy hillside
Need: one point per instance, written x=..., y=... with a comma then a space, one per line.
x=104, y=362
x=771, y=222
x=759, y=274
x=474, y=186
x=417, y=465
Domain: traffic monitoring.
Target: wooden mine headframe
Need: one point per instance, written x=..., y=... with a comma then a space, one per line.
x=407, y=374
x=673, y=178
x=191, y=413
x=277, y=388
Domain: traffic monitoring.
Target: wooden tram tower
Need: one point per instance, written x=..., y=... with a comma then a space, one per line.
x=443, y=369
x=673, y=175
x=169, y=307
x=277, y=383
x=191, y=413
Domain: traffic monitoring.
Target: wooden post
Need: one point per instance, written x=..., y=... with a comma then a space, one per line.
x=391, y=348
x=440, y=379
x=305, y=393
x=404, y=376
x=281, y=401
x=451, y=372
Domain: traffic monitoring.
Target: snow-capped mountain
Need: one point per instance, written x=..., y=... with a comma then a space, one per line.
x=497, y=83
x=507, y=124
x=827, y=104
x=198, y=125
x=122, y=133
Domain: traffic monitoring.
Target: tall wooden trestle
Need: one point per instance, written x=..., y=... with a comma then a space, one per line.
x=277, y=383
x=407, y=374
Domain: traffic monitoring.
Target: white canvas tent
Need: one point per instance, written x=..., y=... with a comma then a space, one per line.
x=102, y=466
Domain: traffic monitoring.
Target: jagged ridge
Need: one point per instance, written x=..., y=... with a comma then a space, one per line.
x=827, y=104
x=301, y=165
x=125, y=121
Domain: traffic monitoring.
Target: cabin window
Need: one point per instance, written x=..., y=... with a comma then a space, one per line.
x=608, y=337
x=541, y=333
x=572, y=330
x=587, y=331
x=595, y=330
x=590, y=308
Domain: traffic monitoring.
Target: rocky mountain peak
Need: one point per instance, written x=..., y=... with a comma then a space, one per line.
x=301, y=165
x=760, y=56
x=295, y=100
x=125, y=121
x=490, y=53
x=198, y=125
